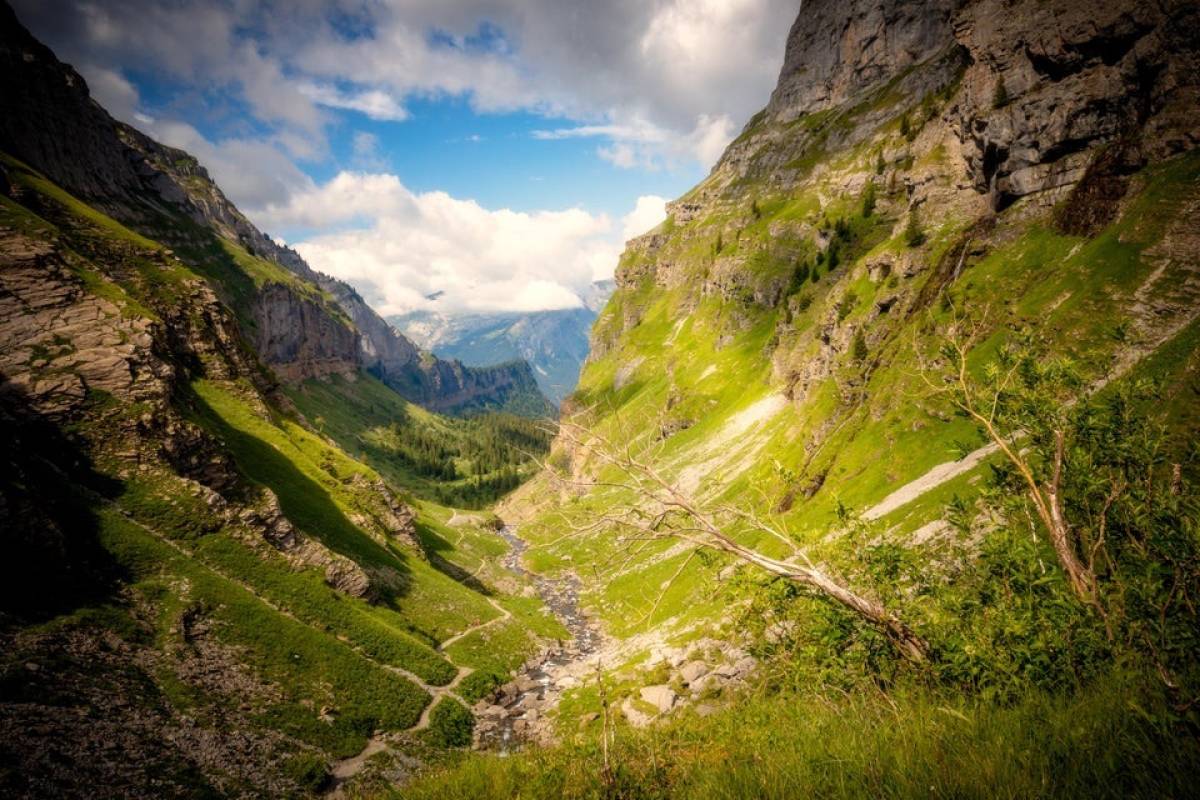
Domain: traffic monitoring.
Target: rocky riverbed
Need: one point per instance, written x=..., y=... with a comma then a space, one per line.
x=516, y=711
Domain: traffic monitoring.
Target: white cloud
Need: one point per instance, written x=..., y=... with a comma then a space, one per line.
x=114, y=92
x=643, y=144
x=402, y=245
x=659, y=80
x=647, y=213
x=373, y=103
x=255, y=172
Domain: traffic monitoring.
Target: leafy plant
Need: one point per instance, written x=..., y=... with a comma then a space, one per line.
x=451, y=724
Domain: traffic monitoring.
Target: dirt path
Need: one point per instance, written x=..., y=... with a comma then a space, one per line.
x=505, y=615
x=434, y=691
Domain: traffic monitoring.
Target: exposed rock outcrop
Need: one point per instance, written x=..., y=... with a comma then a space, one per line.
x=1074, y=76
x=58, y=342
x=300, y=338
x=836, y=50
x=266, y=520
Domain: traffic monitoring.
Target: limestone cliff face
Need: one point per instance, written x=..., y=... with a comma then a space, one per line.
x=299, y=338
x=439, y=384
x=1076, y=77
x=836, y=49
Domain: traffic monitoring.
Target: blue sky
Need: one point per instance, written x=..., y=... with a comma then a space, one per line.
x=499, y=151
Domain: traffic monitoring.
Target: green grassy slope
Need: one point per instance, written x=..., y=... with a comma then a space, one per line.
x=200, y=618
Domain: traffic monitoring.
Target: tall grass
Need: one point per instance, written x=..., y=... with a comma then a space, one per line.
x=1110, y=740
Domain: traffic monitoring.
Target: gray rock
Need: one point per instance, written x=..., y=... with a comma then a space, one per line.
x=693, y=671
x=636, y=718
x=662, y=697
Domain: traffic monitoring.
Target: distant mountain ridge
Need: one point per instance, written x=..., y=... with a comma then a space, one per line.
x=555, y=343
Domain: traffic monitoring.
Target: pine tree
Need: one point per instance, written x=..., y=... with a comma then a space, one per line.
x=914, y=234
x=1000, y=93
x=868, y=199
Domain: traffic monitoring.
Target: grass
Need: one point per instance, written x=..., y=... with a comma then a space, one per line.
x=1110, y=740
x=866, y=428
x=321, y=490
x=307, y=665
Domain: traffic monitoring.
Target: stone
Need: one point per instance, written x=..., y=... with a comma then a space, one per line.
x=636, y=718
x=693, y=671
x=745, y=666
x=662, y=697
x=524, y=683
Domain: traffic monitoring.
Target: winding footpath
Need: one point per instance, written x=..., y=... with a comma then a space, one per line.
x=535, y=687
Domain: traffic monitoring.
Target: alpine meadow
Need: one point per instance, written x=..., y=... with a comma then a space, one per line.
x=877, y=474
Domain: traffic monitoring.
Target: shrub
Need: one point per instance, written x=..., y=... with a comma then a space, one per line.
x=868, y=199
x=800, y=276
x=451, y=724
x=832, y=256
x=859, y=349
x=841, y=229
x=308, y=771
x=847, y=305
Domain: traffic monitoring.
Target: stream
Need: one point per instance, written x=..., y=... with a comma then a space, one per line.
x=517, y=706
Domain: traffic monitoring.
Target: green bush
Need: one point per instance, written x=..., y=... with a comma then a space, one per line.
x=309, y=771
x=451, y=724
x=478, y=685
x=868, y=199
x=859, y=350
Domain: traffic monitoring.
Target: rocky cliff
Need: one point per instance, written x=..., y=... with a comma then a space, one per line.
x=442, y=385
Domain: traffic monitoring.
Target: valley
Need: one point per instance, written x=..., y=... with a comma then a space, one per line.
x=879, y=477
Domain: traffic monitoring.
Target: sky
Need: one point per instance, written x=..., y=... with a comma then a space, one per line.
x=499, y=152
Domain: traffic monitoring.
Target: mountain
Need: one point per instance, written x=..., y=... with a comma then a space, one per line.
x=225, y=571
x=554, y=343
x=880, y=479
x=302, y=324
x=865, y=412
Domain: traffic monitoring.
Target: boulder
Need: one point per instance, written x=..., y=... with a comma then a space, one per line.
x=636, y=718
x=662, y=697
x=693, y=671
